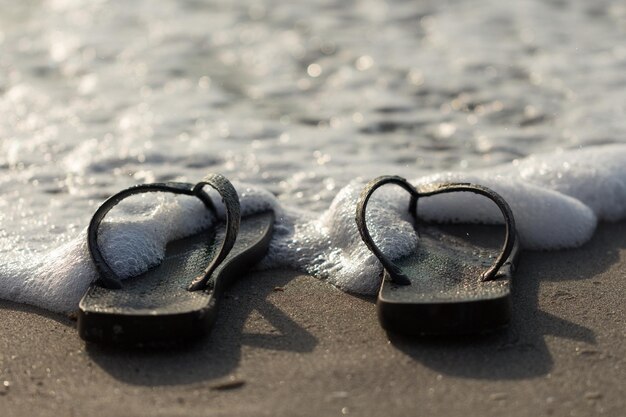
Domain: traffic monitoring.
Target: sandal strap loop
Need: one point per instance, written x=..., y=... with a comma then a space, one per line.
x=108, y=278
x=394, y=272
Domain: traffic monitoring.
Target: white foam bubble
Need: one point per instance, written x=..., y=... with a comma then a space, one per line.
x=545, y=219
x=549, y=213
x=556, y=199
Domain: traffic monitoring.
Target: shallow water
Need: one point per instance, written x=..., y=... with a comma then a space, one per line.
x=306, y=101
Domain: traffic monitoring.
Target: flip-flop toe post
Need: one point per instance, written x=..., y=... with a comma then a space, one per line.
x=177, y=300
x=448, y=286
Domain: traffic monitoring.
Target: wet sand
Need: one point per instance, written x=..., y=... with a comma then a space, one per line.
x=286, y=344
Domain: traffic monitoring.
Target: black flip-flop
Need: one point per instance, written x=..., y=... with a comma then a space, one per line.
x=448, y=286
x=177, y=300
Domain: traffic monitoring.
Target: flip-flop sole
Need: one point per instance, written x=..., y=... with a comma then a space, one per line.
x=446, y=294
x=156, y=308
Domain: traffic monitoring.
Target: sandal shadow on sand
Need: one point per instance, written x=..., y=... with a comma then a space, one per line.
x=449, y=285
x=176, y=301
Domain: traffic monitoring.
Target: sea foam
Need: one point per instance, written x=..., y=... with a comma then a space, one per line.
x=557, y=200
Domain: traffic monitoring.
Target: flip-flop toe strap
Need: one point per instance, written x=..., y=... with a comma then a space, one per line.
x=394, y=272
x=233, y=218
x=109, y=279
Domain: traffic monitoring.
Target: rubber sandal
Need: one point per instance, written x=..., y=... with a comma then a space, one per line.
x=176, y=301
x=443, y=288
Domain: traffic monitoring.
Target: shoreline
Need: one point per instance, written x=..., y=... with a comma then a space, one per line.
x=310, y=349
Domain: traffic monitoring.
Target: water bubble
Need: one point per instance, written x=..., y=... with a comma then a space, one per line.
x=314, y=70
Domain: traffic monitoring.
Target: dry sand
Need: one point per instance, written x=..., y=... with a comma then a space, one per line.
x=288, y=344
